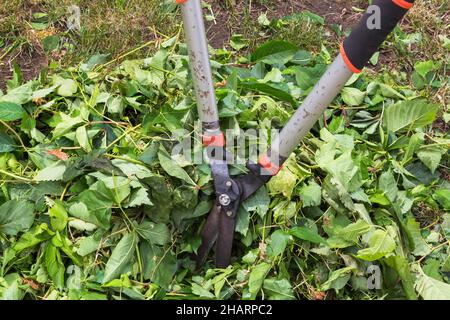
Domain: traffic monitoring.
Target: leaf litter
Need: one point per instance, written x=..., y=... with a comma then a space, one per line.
x=94, y=207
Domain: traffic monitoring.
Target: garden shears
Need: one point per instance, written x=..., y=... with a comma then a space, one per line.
x=355, y=51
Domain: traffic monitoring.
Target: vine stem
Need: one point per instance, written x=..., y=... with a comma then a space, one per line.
x=432, y=250
x=16, y=176
x=15, y=133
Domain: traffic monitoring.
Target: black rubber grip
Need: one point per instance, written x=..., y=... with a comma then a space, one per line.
x=376, y=24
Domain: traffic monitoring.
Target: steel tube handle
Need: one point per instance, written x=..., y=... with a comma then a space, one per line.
x=356, y=51
x=200, y=65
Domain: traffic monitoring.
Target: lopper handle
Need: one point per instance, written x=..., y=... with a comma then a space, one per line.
x=373, y=29
x=356, y=50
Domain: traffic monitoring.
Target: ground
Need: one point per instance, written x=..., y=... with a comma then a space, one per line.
x=120, y=27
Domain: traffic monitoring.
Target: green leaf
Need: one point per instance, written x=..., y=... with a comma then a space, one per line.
x=33, y=237
x=414, y=143
x=243, y=221
x=201, y=292
x=6, y=143
x=160, y=265
x=120, y=257
x=380, y=199
x=65, y=124
x=10, y=287
x=123, y=282
x=259, y=202
x=238, y=42
x=337, y=279
x=424, y=67
x=418, y=245
x=19, y=95
x=263, y=20
x=172, y=168
x=401, y=266
x=274, y=75
x=115, y=188
x=388, y=185
x=256, y=279
x=311, y=195
x=51, y=43
x=83, y=138
x=94, y=61
x=353, y=231
x=54, y=265
x=278, y=289
x=92, y=207
x=409, y=115
x=138, y=198
x=283, y=183
x=16, y=216
x=352, y=96
x=154, y=233
x=10, y=111
x=432, y=289
x=66, y=87
x=271, y=48
x=58, y=216
x=87, y=245
x=431, y=156
x=443, y=197
x=432, y=268
x=42, y=93
x=380, y=245
x=268, y=89
x=132, y=169
x=278, y=242
x=54, y=172
x=307, y=77
x=66, y=246
x=115, y=104
x=335, y=157
x=307, y=234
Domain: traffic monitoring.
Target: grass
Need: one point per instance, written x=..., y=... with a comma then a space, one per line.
x=106, y=26
x=116, y=27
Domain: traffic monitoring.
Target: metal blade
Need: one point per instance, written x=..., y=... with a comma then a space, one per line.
x=209, y=235
x=225, y=241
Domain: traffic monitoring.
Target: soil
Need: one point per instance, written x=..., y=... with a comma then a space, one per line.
x=334, y=11
x=219, y=31
x=440, y=125
x=31, y=62
x=30, y=58
x=426, y=215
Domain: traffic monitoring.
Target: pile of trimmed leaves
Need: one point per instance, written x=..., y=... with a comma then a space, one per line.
x=94, y=207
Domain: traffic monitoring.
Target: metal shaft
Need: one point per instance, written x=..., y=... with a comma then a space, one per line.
x=194, y=27
x=322, y=95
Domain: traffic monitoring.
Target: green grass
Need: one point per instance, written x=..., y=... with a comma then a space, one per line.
x=106, y=26
x=117, y=27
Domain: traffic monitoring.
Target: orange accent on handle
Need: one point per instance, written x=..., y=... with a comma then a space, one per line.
x=214, y=141
x=403, y=4
x=268, y=165
x=180, y=1
x=347, y=60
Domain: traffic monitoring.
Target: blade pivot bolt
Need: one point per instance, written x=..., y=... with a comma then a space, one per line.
x=224, y=200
